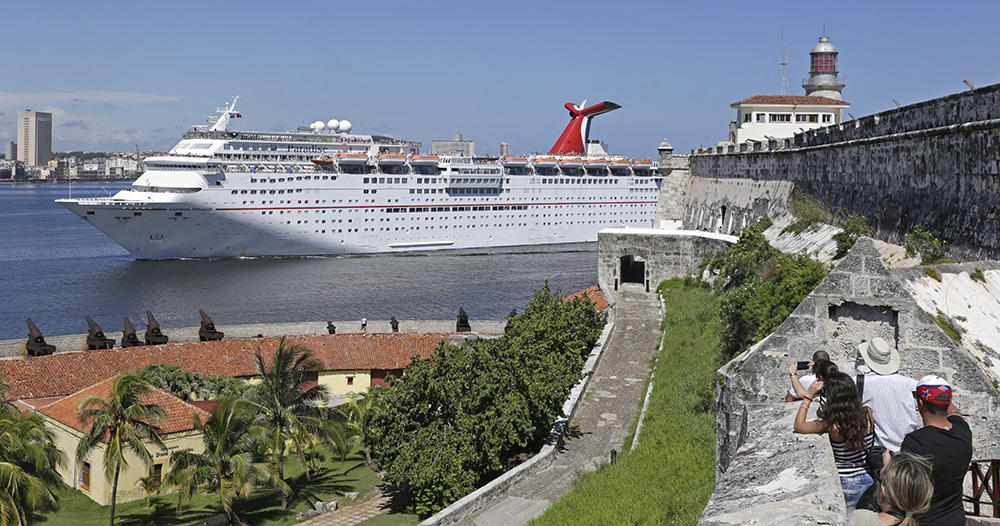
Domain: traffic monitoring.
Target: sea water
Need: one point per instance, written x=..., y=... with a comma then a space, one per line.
x=55, y=269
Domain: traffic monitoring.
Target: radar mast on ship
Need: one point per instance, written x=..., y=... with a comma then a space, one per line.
x=221, y=123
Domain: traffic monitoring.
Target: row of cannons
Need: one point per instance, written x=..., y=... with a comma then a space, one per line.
x=96, y=338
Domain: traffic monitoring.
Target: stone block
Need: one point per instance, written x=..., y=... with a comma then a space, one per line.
x=862, y=287
x=915, y=361
x=853, y=265
x=886, y=288
x=835, y=283
x=873, y=266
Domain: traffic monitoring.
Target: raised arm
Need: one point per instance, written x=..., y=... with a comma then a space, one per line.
x=816, y=426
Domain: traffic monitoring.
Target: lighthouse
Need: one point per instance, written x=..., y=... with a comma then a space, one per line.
x=823, y=80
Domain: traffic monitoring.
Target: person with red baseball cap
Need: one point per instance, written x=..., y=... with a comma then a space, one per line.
x=946, y=440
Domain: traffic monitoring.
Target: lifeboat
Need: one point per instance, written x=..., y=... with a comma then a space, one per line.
x=352, y=158
x=424, y=159
x=391, y=159
x=642, y=167
x=571, y=162
x=324, y=161
x=619, y=164
x=544, y=162
x=515, y=161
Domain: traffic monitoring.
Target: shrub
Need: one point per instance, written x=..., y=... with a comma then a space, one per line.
x=977, y=275
x=808, y=211
x=927, y=244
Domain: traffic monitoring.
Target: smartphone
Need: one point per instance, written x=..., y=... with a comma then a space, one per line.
x=803, y=366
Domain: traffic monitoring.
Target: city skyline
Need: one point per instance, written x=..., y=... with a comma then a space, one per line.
x=116, y=75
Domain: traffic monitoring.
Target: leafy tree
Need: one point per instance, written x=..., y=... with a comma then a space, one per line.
x=150, y=485
x=288, y=413
x=228, y=465
x=462, y=416
x=854, y=226
x=359, y=412
x=123, y=423
x=27, y=458
x=926, y=243
x=192, y=386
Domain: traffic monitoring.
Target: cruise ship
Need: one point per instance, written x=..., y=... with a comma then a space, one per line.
x=323, y=190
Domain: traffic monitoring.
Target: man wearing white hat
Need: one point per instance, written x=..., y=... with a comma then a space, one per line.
x=946, y=440
x=887, y=392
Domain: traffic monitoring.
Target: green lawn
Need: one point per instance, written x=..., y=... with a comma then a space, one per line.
x=669, y=478
x=262, y=508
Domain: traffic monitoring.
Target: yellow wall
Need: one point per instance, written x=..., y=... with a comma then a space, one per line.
x=67, y=439
x=336, y=381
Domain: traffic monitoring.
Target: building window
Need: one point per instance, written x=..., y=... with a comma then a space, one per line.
x=806, y=117
x=747, y=116
x=85, y=476
x=350, y=380
x=827, y=117
x=760, y=117
x=156, y=472
x=780, y=117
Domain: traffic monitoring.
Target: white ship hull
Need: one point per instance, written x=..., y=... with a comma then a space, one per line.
x=340, y=218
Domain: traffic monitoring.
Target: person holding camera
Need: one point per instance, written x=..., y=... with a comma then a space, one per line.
x=801, y=384
x=850, y=428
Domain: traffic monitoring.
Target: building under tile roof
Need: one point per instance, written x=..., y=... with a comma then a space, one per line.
x=790, y=99
x=178, y=414
x=595, y=295
x=62, y=374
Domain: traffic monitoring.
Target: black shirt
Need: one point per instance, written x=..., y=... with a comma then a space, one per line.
x=950, y=452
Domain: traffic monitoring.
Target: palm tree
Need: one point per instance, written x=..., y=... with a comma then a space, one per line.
x=123, y=424
x=149, y=485
x=28, y=456
x=359, y=414
x=288, y=412
x=227, y=465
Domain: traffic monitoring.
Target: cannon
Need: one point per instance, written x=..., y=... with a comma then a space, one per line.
x=394, y=323
x=129, y=338
x=154, y=336
x=463, y=321
x=207, y=332
x=95, y=336
x=331, y=328
x=36, y=345
x=510, y=318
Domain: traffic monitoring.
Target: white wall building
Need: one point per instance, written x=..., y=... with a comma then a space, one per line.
x=763, y=117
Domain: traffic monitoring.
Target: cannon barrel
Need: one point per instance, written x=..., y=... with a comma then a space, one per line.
x=36, y=345
x=463, y=321
x=207, y=332
x=96, y=338
x=154, y=336
x=129, y=338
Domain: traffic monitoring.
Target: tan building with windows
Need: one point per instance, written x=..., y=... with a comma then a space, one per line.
x=176, y=428
x=34, y=137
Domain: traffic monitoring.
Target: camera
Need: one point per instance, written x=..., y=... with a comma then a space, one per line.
x=803, y=366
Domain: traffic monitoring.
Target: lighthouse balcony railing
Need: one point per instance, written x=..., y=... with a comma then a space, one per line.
x=825, y=79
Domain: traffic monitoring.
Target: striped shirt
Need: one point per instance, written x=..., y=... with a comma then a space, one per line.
x=851, y=463
x=893, y=406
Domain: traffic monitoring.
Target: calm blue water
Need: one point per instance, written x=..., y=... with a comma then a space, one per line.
x=55, y=269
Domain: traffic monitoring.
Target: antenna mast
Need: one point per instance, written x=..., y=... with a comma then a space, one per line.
x=784, y=63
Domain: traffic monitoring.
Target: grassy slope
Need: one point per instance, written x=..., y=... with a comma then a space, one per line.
x=669, y=478
x=262, y=508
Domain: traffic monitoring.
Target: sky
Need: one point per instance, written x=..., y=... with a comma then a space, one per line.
x=123, y=74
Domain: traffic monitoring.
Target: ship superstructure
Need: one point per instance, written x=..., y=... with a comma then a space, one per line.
x=323, y=190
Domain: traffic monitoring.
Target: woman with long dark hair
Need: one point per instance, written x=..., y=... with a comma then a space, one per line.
x=849, y=426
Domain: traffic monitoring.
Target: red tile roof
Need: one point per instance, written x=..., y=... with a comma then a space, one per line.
x=177, y=414
x=790, y=99
x=595, y=294
x=61, y=374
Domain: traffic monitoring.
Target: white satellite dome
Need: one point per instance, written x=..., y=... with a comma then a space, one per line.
x=318, y=126
x=345, y=126
x=333, y=124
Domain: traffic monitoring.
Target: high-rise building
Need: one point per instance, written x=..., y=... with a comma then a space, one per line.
x=11, y=152
x=34, y=137
x=458, y=146
x=504, y=149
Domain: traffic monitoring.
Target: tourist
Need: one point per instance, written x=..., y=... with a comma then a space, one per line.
x=850, y=429
x=801, y=384
x=886, y=392
x=946, y=440
x=905, y=490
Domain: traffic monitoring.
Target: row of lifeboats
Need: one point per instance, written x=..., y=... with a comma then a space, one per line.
x=543, y=162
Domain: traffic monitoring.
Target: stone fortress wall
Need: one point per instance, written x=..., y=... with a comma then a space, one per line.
x=766, y=472
x=934, y=163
